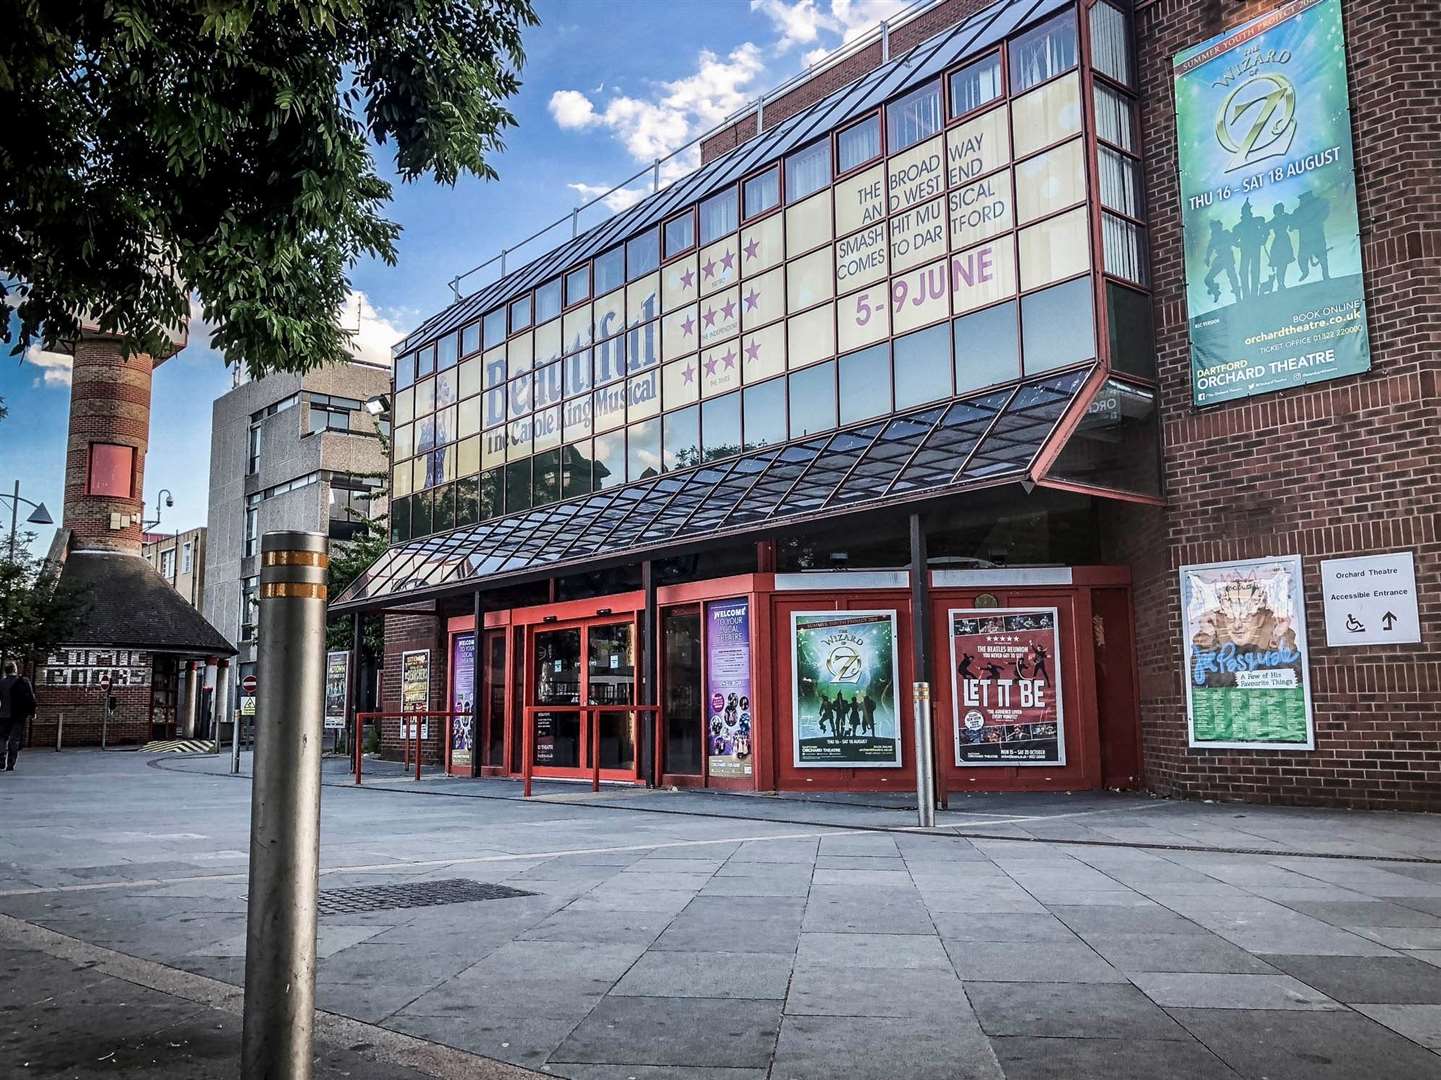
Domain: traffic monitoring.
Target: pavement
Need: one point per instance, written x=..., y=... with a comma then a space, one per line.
x=716, y=937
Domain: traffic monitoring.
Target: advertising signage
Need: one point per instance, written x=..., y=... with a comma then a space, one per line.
x=845, y=708
x=1006, y=686
x=1268, y=195
x=729, y=717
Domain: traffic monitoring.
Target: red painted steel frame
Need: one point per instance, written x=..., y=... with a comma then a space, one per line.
x=362, y=717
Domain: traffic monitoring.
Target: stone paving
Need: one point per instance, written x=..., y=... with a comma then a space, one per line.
x=705, y=937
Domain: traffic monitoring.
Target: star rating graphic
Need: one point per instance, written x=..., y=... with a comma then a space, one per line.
x=709, y=268
x=687, y=373
x=753, y=247
x=688, y=327
x=728, y=260
x=729, y=309
x=753, y=300
x=753, y=352
x=708, y=316
x=688, y=279
x=729, y=358
x=710, y=365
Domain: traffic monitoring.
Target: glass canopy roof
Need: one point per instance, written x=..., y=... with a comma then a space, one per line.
x=970, y=442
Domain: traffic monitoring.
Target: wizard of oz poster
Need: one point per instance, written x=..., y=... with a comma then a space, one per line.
x=845, y=710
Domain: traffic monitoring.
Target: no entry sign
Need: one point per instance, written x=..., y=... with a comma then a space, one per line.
x=247, y=685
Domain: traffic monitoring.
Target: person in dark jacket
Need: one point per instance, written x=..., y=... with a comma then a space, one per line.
x=17, y=706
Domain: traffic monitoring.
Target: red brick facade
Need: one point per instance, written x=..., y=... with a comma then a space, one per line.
x=405, y=631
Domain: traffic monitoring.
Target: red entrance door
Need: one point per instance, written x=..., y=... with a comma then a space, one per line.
x=580, y=701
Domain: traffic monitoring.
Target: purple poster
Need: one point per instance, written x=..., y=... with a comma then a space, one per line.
x=728, y=687
x=462, y=699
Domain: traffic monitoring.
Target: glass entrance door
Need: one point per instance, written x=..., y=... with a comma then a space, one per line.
x=582, y=689
x=491, y=736
x=684, y=719
x=610, y=680
x=558, y=678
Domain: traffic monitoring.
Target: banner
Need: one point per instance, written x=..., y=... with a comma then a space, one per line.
x=729, y=720
x=462, y=699
x=845, y=712
x=1268, y=203
x=1006, y=686
x=1247, y=683
x=337, y=688
x=415, y=690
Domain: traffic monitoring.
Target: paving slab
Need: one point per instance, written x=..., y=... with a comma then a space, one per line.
x=881, y=1048
x=1210, y=990
x=1027, y=961
x=1365, y=913
x=1388, y=980
x=843, y=990
x=675, y=1031
x=707, y=974
x=894, y=951
x=1151, y=918
x=1060, y=1010
x=1176, y=952
x=991, y=926
x=1419, y=1023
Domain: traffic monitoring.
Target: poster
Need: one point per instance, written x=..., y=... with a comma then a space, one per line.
x=462, y=700
x=337, y=687
x=415, y=689
x=1268, y=200
x=1244, y=631
x=729, y=720
x=845, y=709
x=1006, y=686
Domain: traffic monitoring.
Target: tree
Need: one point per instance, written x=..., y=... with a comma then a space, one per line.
x=156, y=147
x=37, y=612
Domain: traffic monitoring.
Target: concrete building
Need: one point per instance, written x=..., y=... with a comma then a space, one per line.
x=180, y=559
x=142, y=664
x=286, y=452
x=1067, y=356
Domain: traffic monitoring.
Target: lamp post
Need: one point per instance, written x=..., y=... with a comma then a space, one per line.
x=38, y=516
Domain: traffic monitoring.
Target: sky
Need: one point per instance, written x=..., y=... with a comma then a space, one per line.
x=608, y=86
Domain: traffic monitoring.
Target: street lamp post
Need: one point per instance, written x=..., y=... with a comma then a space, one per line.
x=38, y=516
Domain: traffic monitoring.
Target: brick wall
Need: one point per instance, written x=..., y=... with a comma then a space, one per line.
x=1341, y=468
x=83, y=710
x=404, y=631
x=109, y=403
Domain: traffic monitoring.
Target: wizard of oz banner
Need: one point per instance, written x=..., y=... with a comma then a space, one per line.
x=844, y=708
x=1006, y=686
x=1247, y=681
x=1268, y=202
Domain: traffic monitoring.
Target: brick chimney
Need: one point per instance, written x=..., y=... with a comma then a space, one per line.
x=109, y=434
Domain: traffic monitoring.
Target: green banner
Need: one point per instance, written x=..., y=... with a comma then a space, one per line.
x=845, y=709
x=1247, y=679
x=1268, y=202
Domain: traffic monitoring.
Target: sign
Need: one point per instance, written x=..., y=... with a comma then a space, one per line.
x=845, y=707
x=729, y=720
x=247, y=704
x=415, y=690
x=462, y=699
x=1268, y=202
x=1247, y=682
x=1006, y=686
x=96, y=667
x=1371, y=600
x=337, y=688
x=248, y=685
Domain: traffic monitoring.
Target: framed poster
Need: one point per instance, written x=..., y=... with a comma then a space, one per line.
x=729, y=716
x=1006, y=686
x=415, y=689
x=1274, y=287
x=337, y=688
x=845, y=703
x=462, y=699
x=1243, y=626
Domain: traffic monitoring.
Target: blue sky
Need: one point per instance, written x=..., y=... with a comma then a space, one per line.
x=608, y=86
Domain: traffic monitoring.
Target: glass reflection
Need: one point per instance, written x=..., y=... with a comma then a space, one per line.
x=813, y=399
x=865, y=383
x=765, y=414
x=721, y=426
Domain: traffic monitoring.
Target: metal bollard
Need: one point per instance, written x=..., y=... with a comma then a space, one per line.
x=59, y=731
x=280, y=922
x=925, y=759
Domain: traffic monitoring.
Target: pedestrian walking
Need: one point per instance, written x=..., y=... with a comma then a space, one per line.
x=17, y=706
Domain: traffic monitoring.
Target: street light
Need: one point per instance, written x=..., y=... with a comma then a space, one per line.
x=378, y=405
x=38, y=516
x=169, y=501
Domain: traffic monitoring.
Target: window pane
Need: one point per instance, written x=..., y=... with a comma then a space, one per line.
x=1128, y=320
x=858, y=144
x=444, y=518
x=765, y=414
x=546, y=477
x=642, y=450
x=425, y=362
x=1047, y=50
x=1051, y=181
x=987, y=348
x=1109, y=53
x=112, y=470
x=1055, y=248
x=420, y=519
x=610, y=460
x=973, y=86
x=865, y=383
x=808, y=170
x=1058, y=326
x=913, y=118
x=923, y=366
x=609, y=272
x=547, y=301
x=681, y=443
x=763, y=192
x=718, y=216
x=642, y=254
x=813, y=399
x=404, y=370
x=470, y=339
x=1046, y=115
x=517, y=486
x=1114, y=118
x=576, y=469
x=1116, y=443
x=494, y=328
x=679, y=234
x=577, y=285
x=520, y=314
x=467, y=500
x=720, y=426
x=447, y=355
x=1124, y=244
x=1120, y=182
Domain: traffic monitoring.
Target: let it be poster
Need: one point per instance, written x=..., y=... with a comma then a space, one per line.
x=1006, y=686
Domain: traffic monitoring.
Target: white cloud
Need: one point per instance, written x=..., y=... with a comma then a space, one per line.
x=815, y=56
x=617, y=200
x=799, y=23
x=852, y=18
x=378, y=330
x=54, y=367
x=572, y=110
x=805, y=22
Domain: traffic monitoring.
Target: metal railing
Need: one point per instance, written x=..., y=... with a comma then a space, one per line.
x=412, y=725
x=881, y=33
x=589, y=717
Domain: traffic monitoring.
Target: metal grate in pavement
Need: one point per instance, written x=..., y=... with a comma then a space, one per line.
x=411, y=894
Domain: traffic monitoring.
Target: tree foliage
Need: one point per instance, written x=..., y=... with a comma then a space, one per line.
x=154, y=147
x=37, y=613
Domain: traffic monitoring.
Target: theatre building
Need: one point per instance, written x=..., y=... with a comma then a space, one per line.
x=1073, y=358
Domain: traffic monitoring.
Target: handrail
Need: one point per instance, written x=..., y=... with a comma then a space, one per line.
x=592, y=726
x=880, y=32
x=362, y=717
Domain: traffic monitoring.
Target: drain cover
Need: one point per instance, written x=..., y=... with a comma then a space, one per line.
x=411, y=894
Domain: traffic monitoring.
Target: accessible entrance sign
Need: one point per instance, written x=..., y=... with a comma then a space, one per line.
x=1371, y=600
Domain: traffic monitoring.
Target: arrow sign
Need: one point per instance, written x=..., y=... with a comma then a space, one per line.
x=1388, y=620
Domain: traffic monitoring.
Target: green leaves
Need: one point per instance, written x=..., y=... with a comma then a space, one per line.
x=155, y=147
